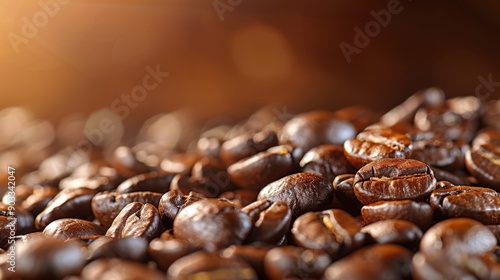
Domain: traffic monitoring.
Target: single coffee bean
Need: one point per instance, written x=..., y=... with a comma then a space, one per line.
x=487, y=136
x=303, y=192
x=437, y=151
x=98, y=183
x=129, y=248
x=23, y=220
x=333, y=231
x=437, y=197
x=419, y=213
x=38, y=200
x=212, y=223
x=203, y=186
x=252, y=254
x=127, y=164
x=271, y=221
x=343, y=186
x=357, y=115
x=117, y=269
x=399, y=232
x=255, y=172
x=393, y=179
x=423, y=269
x=179, y=163
x=247, y=145
x=327, y=161
x=69, y=203
x=241, y=198
x=375, y=143
x=209, y=147
x=48, y=258
x=72, y=228
x=315, y=128
x=147, y=182
x=457, y=178
x=107, y=205
x=174, y=201
x=166, y=252
x=289, y=262
x=381, y=261
x=205, y=265
x=137, y=220
x=483, y=162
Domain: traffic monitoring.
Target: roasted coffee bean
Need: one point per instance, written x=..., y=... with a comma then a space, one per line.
x=359, y=116
x=69, y=203
x=375, y=143
x=491, y=116
x=315, y=128
x=481, y=204
x=333, y=231
x=166, y=252
x=252, y=254
x=423, y=269
x=209, y=147
x=107, y=205
x=38, y=200
x=456, y=118
x=327, y=161
x=381, y=261
x=419, y=213
x=288, y=262
x=394, y=179
x=241, y=198
x=179, y=163
x=483, y=162
x=247, y=145
x=119, y=269
x=7, y=228
x=148, y=182
x=303, y=192
x=49, y=258
x=126, y=163
x=129, y=248
x=70, y=228
x=21, y=193
x=137, y=220
x=174, y=201
x=208, y=167
x=487, y=136
x=271, y=221
x=204, y=186
x=399, y=232
x=344, y=194
x=204, y=265
x=405, y=111
x=457, y=178
x=212, y=223
x=61, y=164
x=24, y=221
x=255, y=172
x=437, y=151
x=443, y=184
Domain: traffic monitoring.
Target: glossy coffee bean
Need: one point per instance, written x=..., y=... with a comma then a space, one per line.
x=483, y=162
x=271, y=221
x=487, y=136
x=288, y=262
x=252, y=254
x=49, y=258
x=117, y=269
x=247, y=145
x=343, y=186
x=147, y=182
x=174, y=201
x=327, y=161
x=107, y=205
x=457, y=178
x=357, y=115
x=212, y=223
x=137, y=220
x=210, y=266
x=241, y=198
x=333, y=231
x=179, y=163
x=70, y=228
x=394, y=179
x=127, y=164
x=437, y=151
x=399, y=232
x=69, y=203
x=24, y=220
x=381, y=261
x=303, y=192
x=419, y=213
x=209, y=146
x=375, y=143
x=129, y=248
x=255, y=172
x=315, y=128
x=38, y=200
x=166, y=252
x=481, y=204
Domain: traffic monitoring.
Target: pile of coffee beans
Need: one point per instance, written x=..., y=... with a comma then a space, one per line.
x=348, y=194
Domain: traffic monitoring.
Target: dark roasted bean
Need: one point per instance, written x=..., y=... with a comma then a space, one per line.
x=399, y=232
x=174, y=201
x=148, y=182
x=288, y=262
x=393, y=179
x=327, y=161
x=38, y=200
x=166, y=252
x=271, y=221
x=484, y=163
x=179, y=163
x=419, y=213
x=129, y=248
x=241, y=198
x=137, y=220
x=126, y=163
x=437, y=151
x=252, y=254
x=303, y=192
x=118, y=269
x=70, y=228
x=247, y=145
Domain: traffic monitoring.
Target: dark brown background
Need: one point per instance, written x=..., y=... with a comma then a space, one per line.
x=284, y=53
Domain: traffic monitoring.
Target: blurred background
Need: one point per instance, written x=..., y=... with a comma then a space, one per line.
x=231, y=57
